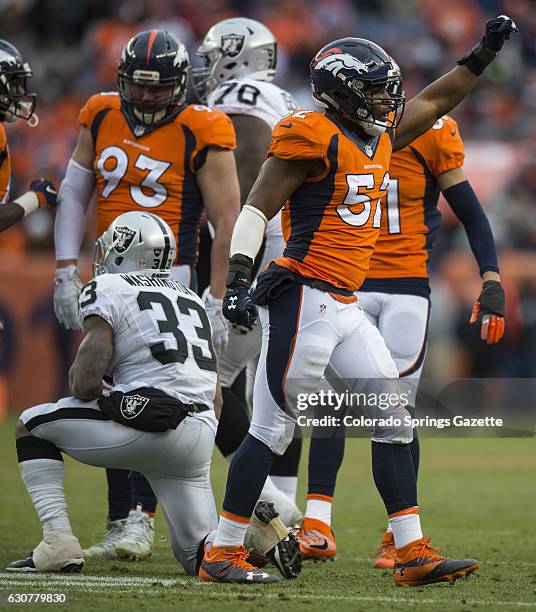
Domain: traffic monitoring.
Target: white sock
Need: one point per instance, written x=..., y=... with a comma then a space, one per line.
x=406, y=529
x=230, y=532
x=287, y=484
x=319, y=509
x=44, y=482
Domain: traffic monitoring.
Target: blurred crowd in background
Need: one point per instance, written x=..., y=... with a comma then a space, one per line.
x=73, y=48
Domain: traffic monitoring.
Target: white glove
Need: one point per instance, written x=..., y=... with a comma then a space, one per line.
x=66, y=294
x=219, y=324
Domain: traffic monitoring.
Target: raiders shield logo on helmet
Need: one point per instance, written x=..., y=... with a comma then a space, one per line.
x=132, y=405
x=232, y=44
x=124, y=237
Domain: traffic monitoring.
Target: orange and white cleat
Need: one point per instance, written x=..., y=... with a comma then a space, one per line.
x=228, y=564
x=387, y=552
x=418, y=563
x=317, y=540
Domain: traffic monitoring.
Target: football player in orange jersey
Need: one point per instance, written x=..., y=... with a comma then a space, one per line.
x=144, y=148
x=330, y=171
x=239, y=64
x=395, y=297
x=17, y=103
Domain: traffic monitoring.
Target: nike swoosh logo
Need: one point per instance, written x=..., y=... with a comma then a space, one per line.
x=320, y=546
x=49, y=189
x=286, y=125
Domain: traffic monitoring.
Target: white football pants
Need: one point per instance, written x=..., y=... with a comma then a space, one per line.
x=403, y=322
x=176, y=463
x=303, y=331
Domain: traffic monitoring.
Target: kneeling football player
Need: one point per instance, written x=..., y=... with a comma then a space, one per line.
x=152, y=336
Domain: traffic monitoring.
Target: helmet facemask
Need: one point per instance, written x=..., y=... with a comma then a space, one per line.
x=15, y=102
x=152, y=77
x=203, y=79
x=376, y=105
x=150, y=98
x=358, y=80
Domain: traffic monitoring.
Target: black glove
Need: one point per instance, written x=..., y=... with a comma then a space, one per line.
x=490, y=306
x=45, y=191
x=483, y=53
x=497, y=31
x=238, y=307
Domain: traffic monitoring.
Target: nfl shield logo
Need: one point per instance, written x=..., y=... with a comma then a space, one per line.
x=232, y=44
x=132, y=405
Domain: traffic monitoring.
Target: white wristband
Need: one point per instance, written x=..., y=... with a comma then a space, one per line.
x=248, y=232
x=29, y=201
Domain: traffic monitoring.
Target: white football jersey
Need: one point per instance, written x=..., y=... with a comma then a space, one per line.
x=162, y=336
x=259, y=99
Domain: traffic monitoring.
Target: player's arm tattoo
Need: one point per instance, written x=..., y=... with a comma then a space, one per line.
x=94, y=354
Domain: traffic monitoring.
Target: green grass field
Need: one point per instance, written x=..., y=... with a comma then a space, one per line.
x=477, y=499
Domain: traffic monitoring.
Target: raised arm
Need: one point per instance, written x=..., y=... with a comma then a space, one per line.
x=448, y=91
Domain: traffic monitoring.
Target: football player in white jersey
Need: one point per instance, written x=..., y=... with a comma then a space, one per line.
x=239, y=57
x=152, y=336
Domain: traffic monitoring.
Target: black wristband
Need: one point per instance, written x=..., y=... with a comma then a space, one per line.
x=492, y=298
x=477, y=58
x=240, y=271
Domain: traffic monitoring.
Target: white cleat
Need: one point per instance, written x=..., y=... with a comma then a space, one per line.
x=58, y=551
x=138, y=539
x=105, y=549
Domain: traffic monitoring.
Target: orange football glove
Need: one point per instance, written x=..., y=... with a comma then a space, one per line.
x=490, y=305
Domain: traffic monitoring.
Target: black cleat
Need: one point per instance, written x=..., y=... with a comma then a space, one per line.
x=285, y=555
x=24, y=565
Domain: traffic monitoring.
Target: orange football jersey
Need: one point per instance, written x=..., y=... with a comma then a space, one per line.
x=155, y=170
x=411, y=219
x=5, y=166
x=331, y=222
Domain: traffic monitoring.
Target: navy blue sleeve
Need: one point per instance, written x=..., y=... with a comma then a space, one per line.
x=466, y=206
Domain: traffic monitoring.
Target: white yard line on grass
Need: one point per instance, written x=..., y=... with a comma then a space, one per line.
x=82, y=583
x=8, y=577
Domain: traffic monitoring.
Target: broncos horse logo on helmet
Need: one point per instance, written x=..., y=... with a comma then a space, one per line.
x=357, y=79
x=15, y=101
x=152, y=78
